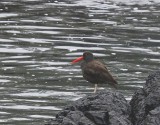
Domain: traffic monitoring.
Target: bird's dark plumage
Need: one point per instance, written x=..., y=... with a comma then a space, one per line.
x=94, y=71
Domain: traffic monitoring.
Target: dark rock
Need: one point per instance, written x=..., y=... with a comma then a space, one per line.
x=146, y=101
x=137, y=107
x=152, y=83
x=153, y=117
x=111, y=108
x=103, y=108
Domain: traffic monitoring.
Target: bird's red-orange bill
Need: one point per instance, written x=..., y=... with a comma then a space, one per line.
x=77, y=60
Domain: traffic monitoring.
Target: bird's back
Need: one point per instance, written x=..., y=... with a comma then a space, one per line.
x=97, y=73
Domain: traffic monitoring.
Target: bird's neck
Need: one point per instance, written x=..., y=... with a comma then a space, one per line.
x=89, y=59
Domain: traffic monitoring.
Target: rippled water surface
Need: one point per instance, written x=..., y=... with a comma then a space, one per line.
x=39, y=39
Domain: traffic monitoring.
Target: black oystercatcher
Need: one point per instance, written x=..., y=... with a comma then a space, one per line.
x=94, y=71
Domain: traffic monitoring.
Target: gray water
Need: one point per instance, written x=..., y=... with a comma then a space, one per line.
x=39, y=39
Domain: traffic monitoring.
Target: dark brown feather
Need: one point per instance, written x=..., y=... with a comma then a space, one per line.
x=96, y=72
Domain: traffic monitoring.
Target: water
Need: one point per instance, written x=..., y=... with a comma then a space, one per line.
x=39, y=39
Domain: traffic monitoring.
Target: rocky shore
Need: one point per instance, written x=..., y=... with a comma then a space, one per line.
x=111, y=108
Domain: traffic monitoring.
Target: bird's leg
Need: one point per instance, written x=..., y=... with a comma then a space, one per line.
x=95, y=88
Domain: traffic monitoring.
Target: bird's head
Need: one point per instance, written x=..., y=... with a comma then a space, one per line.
x=87, y=56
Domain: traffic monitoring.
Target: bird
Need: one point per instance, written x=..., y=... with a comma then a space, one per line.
x=95, y=71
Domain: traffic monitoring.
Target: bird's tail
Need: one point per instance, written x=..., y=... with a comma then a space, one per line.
x=114, y=83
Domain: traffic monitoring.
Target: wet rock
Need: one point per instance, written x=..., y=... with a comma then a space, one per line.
x=103, y=108
x=153, y=117
x=111, y=108
x=145, y=104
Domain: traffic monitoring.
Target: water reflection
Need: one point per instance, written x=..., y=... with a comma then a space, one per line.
x=40, y=38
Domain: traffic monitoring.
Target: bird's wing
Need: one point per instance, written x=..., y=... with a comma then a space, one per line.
x=100, y=68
